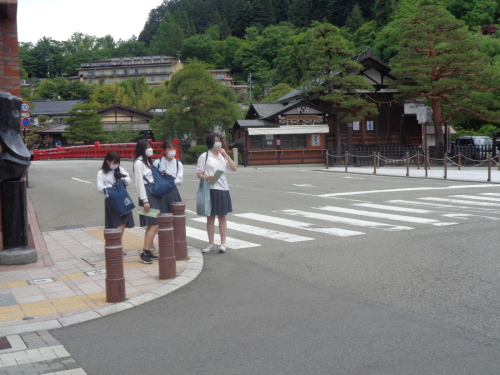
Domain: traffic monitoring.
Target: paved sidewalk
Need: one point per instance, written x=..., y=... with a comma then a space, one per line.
x=67, y=284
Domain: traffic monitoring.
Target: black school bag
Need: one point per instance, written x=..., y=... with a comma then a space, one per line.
x=163, y=185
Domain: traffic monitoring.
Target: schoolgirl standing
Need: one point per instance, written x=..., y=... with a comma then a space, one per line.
x=171, y=166
x=143, y=178
x=209, y=162
x=107, y=176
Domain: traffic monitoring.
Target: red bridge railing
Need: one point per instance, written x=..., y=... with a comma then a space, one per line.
x=98, y=151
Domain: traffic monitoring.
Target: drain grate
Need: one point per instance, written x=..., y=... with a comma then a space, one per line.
x=65, y=227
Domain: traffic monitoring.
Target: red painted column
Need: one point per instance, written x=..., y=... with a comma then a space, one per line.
x=177, y=148
x=115, y=277
x=166, y=261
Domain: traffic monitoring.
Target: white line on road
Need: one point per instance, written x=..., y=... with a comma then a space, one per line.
x=393, y=208
x=474, y=197
x=268, y=233
x=459, y=201
x=408, y=189
x=299, y=224
x=232, y=243
x=383, y=215
x=77, y=179
x=344, y=220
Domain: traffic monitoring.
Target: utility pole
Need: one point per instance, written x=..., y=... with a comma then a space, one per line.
x=250, y=75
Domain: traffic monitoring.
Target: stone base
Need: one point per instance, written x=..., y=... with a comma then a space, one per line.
x=18, y=256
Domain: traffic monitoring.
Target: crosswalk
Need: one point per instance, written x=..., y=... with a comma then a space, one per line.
x=251, y=229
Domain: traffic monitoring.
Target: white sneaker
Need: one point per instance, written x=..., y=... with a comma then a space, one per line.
x=222, y=248
x=208, y=248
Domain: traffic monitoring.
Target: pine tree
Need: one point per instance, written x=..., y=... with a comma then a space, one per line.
x=355, y=19
x=332, y=75
x=383, y=11
x=194, y=102
x=439, y=63
x=84, y=124
x=263, y=12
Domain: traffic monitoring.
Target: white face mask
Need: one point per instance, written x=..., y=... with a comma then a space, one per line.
x=217, y=145
x=113, y=166
x=171, y=154
x=149, y=152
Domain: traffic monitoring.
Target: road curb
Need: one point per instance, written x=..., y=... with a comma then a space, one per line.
x=193, y=269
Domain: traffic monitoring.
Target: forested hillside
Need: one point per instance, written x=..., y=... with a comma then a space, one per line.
x=273, y=42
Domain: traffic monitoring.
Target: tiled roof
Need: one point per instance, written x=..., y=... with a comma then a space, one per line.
x=56, y=107
x=267, y=109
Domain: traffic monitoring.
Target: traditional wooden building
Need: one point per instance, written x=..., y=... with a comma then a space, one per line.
x=301, y=128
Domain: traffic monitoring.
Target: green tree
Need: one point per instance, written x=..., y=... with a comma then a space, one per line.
x=194, y=103
x=299, y=13
x=355, y=19
x=278, y=91
x=335, y=77
x=84, y=124
x=383, y=11
x=169, y=37
x=199, y=47
x=439, y=62
x=60, y=88
x=124, y=133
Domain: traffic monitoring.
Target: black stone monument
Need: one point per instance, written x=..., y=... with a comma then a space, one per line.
x=14, y=163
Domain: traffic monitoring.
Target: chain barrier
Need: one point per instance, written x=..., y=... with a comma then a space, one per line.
x=377, y=158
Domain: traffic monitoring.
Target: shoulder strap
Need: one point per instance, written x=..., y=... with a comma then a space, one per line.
x=206, y=158
x=177, y=164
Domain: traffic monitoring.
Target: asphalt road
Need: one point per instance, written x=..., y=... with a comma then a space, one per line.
x=415, y=293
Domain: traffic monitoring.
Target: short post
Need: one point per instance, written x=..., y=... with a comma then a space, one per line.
x=346, y=160
x=378, y=159
x=115, y=279
x=459, y=160
x=407, y=164
x=374, y=162
x=418, y=159
x=445, y=162
x=235, y=155
x=489, y=168
x=180, y=243
x=166, y=261
x=326, y=159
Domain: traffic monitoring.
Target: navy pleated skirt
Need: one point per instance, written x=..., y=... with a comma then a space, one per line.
x=154, y=202
x=221, y=202
x=112, y=219
x=172, y=197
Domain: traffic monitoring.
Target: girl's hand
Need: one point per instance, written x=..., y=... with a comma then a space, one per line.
x=123, y=179
x=209, y=178
x=147, y=207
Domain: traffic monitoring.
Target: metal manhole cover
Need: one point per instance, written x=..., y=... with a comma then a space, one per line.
x=65, y=227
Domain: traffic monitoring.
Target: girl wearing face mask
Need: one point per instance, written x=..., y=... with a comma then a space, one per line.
x=107, y=177
x=144, y=177
x=209, y=162
x=169, y=165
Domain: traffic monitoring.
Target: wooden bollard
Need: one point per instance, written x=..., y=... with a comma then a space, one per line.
x=166, y=261
x=115, y=278
x=180, y=243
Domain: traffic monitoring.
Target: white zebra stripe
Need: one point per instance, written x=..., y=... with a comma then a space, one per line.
x=393, y=208
x=299, y=224
x=459, y=201
x=268, y=233
x=473, y=197
x=231, y=243
x=382, y=215
x=344, y=220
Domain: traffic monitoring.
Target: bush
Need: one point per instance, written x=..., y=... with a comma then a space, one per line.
x=194, y=153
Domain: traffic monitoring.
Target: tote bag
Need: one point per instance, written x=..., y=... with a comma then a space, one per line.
x=203, y=203
x=119, y=198
x=163, y=184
